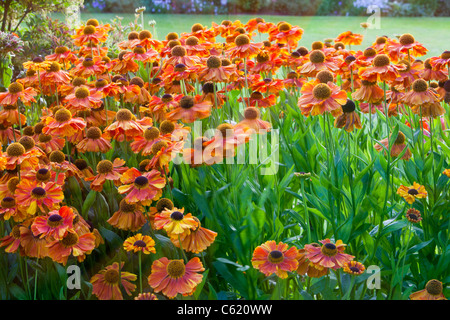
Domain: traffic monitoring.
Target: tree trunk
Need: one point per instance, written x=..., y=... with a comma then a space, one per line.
x=5, y=14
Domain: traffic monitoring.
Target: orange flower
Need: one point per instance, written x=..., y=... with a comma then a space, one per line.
x=179, y=56
x=349, y=38
x=270, y=258
x=142, y=188
x=244, y=48
x=34, y=197
x=64, y=56
x=125, y=127
x=330, y=255
x=382, y=70
x=62, y=124
x=173, y=276
x=175, y=222
x=215, y=71
x=140, y=243
x=197, y=240
x=285, y=33
x=433, y=291
x=107, y=170
x=423, y=100
x=190, y=109
x=73, y=243
x=33, y=247
x=252, y=121
x=410, y=194
x=129, y=216
x=406, y=43
x=94, y=142
x=88, y=67
x=349, y=119
x=369, y=92
x=93, y=34
x=54, y=225
x=354, y=268
x=141, y=54
x=82, y=99
x=8, y=209
x=16, y=92
x=320, y=98
x=106, y=283
x=318, y=61
x=307, y=267
x=397, y=148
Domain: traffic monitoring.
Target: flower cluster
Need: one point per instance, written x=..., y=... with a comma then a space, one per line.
x=111, y=127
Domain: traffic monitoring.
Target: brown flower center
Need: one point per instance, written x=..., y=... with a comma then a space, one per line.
x=124, y=115
x=94, y=133
x=329, y=249
x=166, y=127
x=322, y=91
x=413, y=192
x=176, y=269
x=15, y=87
x=112, y=276
x=92, y=22
x=156, y=147
x=192, y=41
x=55, y=220
x=151, y=133
x=434, y=287
x=325, y=76
x=139, y=50
x=141, y=182
x=164, y=203
x=275, y=256
x=140, y=243
x=317, y=56
x=54, y=67
x=144, y=34
x=105, y=166
x=317, y=45
x=370, y=52
x=251, y=113
x=57, y=156
x=197, y=27
x=8, y=202
x=12, y=184
x=81, y=93
x=381, y=60
x=172, y=36
x=88, y=62
x=400, y=139
x=89, y=29
x=445, y=55
x=406, y=39
x=420, y=85
x=256, y=95
x=225, y=129
x=187, y=102
x=127, y=207
x=213, y=62
x=178, y=51
x=44, y=138
x=242, y=40
x=177, y=216
x=15, y=149
x=63, y=115
x=38, y=193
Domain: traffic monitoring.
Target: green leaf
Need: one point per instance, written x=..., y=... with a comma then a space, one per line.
x=17, y=292
x=90, y=199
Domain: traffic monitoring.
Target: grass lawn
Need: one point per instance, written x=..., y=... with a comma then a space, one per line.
x=429, y=31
